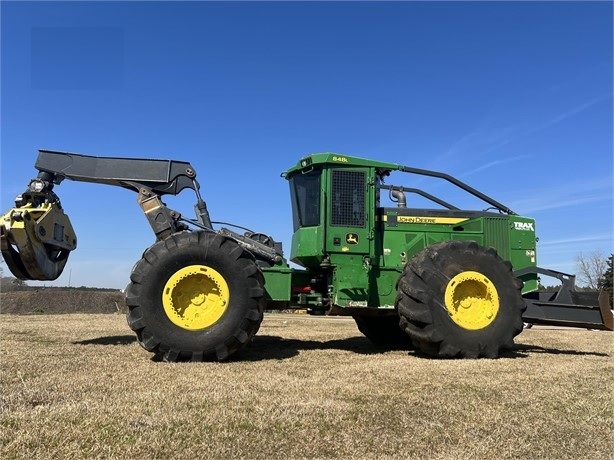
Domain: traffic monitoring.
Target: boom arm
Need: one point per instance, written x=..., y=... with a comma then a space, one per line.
x=37, y=237
x=159, y=176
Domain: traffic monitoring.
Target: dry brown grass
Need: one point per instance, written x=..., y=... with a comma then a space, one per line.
x=79, y=386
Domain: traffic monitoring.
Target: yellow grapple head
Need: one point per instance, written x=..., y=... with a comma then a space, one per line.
x=36, y=237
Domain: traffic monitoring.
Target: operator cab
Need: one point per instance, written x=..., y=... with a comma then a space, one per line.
x=333, y=198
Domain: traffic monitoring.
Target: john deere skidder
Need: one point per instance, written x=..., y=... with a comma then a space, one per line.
x=451, y=282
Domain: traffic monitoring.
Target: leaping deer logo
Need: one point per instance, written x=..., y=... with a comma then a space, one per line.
x=351, y=238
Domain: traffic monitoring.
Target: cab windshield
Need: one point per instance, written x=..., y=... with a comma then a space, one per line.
x=305, y=192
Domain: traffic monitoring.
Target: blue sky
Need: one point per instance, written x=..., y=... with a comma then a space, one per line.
x=514, y=98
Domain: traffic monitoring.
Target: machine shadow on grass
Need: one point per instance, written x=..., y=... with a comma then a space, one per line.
x=266, y=347
x=270, y=347
x=523, y=351
x=110, y=340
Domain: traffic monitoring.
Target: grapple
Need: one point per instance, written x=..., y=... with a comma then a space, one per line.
x=36, y=236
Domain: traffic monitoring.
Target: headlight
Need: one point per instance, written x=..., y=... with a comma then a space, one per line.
x=36, y=185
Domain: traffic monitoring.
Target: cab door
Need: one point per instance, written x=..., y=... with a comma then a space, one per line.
x=348, y=222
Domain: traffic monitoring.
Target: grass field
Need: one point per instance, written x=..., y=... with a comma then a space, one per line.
x=78, y=386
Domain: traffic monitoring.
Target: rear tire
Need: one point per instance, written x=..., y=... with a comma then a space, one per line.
x=195, y=296
x=459, y=299
x=383, y=331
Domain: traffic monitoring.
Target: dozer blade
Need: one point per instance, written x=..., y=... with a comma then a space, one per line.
x=596, y=316
x=36, y=241
x=568, y=307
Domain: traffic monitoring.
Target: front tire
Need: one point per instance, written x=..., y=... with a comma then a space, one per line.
x=459, y=299
x=195, y=296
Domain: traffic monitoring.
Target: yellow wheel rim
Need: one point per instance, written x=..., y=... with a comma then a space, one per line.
x=195, y=297
x=472, y=300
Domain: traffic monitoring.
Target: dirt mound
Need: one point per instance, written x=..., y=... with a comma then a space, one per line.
x=50, y=301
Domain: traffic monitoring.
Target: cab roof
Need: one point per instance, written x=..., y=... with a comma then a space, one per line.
x=338, y=159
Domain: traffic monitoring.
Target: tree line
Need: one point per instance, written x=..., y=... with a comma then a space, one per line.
x=11, y=284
